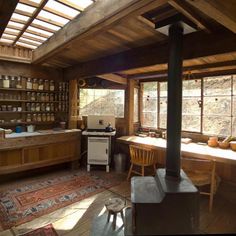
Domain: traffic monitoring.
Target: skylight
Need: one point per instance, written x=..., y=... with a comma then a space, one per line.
x=34, y=21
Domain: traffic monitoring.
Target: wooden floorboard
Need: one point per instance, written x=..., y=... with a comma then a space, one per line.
x=77, y=218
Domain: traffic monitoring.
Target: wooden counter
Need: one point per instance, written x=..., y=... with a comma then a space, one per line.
x=225, y=158
x=25, y=151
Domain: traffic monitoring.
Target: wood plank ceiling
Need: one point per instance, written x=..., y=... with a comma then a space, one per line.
x=111, y=27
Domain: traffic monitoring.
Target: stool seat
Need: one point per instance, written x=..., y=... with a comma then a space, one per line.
x=114, y=206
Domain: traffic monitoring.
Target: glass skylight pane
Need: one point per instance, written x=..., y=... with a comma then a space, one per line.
x=25, y=8
x=6, y=40
x=35, y=36
x=50, y=26
x=53, y=17
x=36, y=1
x=15, y=24
x=62, y=8
x=40, y=31
x=20, y=17
x=25, y=45
x=81, y=3
x=31, y=41
x=9, y=36
x=13, y=30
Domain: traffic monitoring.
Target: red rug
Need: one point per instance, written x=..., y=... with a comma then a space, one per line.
x=28, y=201
x=47, y=230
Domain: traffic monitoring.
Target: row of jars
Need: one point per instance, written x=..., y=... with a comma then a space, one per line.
x=39, y=107
x=39, y=84
x=10, y=108
x=63, y=86
x=40, y=117
x=10, y=81
x=40, y=97
x=10, y=96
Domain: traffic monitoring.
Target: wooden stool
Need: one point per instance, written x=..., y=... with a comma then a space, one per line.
x=114, y=206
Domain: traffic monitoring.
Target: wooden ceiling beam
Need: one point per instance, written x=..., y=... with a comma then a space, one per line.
x=221, y=11
x=70, y=4
x=114, y=78
x=58, y=13
x=6, y=10
x=196, y=45
x=34, y=15
x=108, y=13
x=188, y=11
x=186, y=69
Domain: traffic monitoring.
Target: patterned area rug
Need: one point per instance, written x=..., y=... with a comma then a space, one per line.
x=47, y=230
x=28, y=201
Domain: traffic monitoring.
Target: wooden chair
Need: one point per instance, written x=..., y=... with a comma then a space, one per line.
x=141, y=156
x=202, y=172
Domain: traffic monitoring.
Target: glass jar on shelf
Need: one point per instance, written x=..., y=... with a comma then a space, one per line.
x=37, y=107
x=19, y=83
x=47, y=97
x=35, y=84
x=28, y=96
x=60, y=86
x=34, y=117
x=51, y=97
x=43, y=107
x=28, y=106
x=12, y=82
x=33, y=96
x=51, y=107
x=1, y=96
x=48, y=107
x=52, y=117
x=33, y=107
x=46, y=85
x=48, y=117
x=42, y=97
x=19, y=96
x=52, y=86
x=41, y=85
x=44, y=117
x=39, y=118
x=6, y=82
x=59, y=106
x=29, y=84
x=28, y=118
x=1, y=81
x=38, y=97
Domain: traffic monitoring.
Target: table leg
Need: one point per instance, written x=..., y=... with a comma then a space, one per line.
x=114, y=222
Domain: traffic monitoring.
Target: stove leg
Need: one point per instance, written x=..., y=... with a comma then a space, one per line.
x=107, y=168
x=88, y=168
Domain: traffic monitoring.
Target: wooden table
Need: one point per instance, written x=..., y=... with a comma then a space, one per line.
x=191, y=149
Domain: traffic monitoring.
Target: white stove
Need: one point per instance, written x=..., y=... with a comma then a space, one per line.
x=99, y=141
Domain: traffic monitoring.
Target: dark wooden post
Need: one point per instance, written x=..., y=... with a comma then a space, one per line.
x=174, y=110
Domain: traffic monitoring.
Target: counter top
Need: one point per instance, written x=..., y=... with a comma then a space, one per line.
x=39, y=133
x=98, y=133
x=191, y=149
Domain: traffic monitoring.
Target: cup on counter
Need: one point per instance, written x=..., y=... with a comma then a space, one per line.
x=18, y=129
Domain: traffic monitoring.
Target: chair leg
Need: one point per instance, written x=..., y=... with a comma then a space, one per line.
x=142, y=170
x=130, y=170
x=114, y=222
x=122, y=216
x=108, y=216
x=211, y=197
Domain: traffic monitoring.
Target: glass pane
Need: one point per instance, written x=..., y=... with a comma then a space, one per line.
x=11, y=23
x=82, y=4
x=25, y=8
x=20, y=17
x=163, y=89
x=234, y=127
x=220, y=85
x=47, y=25
x=234, y=106
x=190, y=106
x=53, y=17
x=192, y=87
x=101, y=102
x=40, y=31
x=163, y=105
x=6, y=41
x=234, y=85
x=217, y=125
x=149, y=119
x=26, y=45
x=150, y=89
x=136, y=90
x=217, y=106
x=9, y=36
x=191, y=123
x=163, y=121
x=150, y=105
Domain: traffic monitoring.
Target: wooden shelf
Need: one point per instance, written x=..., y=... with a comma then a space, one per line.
x=14, y=112
x=14, y=100
x=32, y=90
x=28, y=123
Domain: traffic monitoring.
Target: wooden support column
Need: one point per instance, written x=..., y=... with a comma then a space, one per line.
x=174, y=109
x=73, y=109
x=129, y=109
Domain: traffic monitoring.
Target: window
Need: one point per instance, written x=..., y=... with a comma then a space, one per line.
x=136, y=105
x=208, y=105
x=149, y=112
x=101, y=102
